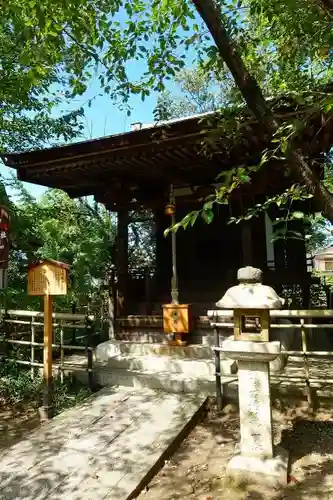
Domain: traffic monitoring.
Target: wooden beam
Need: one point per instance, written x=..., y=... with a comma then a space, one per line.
x=122, y=260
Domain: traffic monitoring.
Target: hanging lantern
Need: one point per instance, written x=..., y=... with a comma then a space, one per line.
x=170, y=209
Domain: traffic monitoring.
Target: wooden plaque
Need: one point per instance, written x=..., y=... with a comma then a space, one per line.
x=47, y=278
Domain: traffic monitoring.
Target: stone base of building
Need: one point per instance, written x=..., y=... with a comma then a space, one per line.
x=274, y=469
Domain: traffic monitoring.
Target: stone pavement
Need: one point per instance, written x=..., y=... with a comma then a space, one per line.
x=101, y=449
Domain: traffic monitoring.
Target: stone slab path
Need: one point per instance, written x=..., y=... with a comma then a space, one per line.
x=101, y=449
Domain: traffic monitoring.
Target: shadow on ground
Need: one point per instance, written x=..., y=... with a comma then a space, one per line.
x=100, y=449
x=197, y=470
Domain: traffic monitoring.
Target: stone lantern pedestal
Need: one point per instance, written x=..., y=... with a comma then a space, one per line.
x=253, y=351
x=256, y=454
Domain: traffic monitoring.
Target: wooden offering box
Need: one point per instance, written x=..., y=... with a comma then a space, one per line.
x=47, y=277
x=177, y=318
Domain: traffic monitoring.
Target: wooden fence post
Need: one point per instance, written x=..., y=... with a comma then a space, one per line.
x=219, y=396
x=89, y=332
x=33, y=340
x=73, y=341
x=310, y=394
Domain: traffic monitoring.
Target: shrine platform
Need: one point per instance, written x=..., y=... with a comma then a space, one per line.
x=142, y=365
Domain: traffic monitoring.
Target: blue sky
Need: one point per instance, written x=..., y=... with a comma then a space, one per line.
x=106, y=118
x=102, y=118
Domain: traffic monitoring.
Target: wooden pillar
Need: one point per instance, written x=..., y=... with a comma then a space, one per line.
x=112, y=305
x=122, y=261
x=269, y=242
x=296, y=250
x=296, y=260
x=280, y=256
x=247, y=250
x=259, y=245
x=163, y=255
x=47, y=410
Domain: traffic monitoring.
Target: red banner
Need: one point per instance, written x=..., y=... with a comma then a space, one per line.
x=5, y=227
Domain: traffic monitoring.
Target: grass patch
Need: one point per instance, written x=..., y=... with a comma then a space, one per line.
x=17, y=386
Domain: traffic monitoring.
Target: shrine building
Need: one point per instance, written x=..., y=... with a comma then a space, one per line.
x=134, y=170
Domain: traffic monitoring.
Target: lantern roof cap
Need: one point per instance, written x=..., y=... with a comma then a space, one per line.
x=250, y=293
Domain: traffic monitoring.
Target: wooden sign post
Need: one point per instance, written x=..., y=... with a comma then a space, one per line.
x=47, y=278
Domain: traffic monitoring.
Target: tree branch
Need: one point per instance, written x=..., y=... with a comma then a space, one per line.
x=313, y=183
x=211, y=14
x=247, y=84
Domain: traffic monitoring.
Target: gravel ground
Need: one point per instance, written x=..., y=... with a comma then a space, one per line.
x=197, y=469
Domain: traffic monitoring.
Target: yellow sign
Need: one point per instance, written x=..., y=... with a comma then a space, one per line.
x=47, y=277
x=177, y=318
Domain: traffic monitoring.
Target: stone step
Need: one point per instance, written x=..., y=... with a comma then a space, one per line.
x=105, y=350
x=281, y=384
x=140, y=336
x=177, y=384
x=187, y=367
x=159, y=380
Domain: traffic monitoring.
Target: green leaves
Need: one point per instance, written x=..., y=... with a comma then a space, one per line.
x=21, y=133
x=327, y=104
x=283, y=47
x=298, y=215
x=61, y=41
x=207, y=214
x=189, y=219
x=59, y=44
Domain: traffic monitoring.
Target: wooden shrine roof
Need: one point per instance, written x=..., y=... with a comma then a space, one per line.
x=142, y=164
x=56, y=263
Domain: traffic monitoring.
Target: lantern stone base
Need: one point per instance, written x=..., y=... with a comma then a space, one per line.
x=273, y=470
x=248, y=351
x=256, y=452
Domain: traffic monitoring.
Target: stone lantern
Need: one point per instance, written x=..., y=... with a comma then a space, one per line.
x=253, y=350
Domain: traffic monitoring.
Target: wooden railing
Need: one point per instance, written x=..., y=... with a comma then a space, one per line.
x=300, y=320
x=71, y=332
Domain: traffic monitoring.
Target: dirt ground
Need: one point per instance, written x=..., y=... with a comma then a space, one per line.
x=197, y=469
x=15, y=422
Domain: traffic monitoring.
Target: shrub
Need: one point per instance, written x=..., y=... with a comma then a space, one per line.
x=17, y=386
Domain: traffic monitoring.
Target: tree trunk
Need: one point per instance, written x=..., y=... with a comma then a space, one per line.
x=246, y=83
x=252, y=94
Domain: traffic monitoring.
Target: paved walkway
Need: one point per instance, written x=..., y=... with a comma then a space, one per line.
x=101, y=449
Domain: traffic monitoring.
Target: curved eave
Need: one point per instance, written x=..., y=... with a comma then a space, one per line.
x=106, y=144
x=151, y=158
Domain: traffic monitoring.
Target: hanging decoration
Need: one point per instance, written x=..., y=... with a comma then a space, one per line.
x=170, y=209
